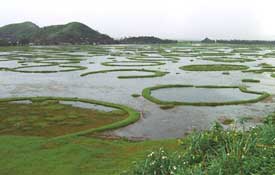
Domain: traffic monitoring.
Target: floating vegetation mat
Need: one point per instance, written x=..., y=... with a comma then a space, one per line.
x=132, y=63
x=195, y=101
x=51, y=117
x=155, y=73
x=213, y=67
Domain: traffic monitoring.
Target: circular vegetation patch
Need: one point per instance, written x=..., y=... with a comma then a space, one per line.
x=214, y=67
x=49, y=69
x=229, y=60
x=132, y=63
x=147, y=93
x=52, y=117
x=155, y=73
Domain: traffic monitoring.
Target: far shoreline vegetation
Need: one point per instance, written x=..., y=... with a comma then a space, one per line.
x=237, y=41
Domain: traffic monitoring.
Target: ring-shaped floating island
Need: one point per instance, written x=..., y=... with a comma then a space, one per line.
x=214, y=67
x=230, y=60
x=147, y=93
x=156, y=73
x=63, y=68
x=132, y=63
x=150, y=59
x=58, y=117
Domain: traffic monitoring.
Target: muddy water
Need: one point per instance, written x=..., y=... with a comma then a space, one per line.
x=155, y=123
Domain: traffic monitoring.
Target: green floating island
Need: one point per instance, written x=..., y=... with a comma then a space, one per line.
x=230, y=60
x=67, y=68
x=135, y=95
x=146, y=93
x=214, y=67
x=152, y=59
x=132, y=63
x=48, y=117
x=250, y=81
x=155, y=73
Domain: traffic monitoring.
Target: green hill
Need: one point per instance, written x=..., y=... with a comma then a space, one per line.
x=71, y=33
x=18, y=32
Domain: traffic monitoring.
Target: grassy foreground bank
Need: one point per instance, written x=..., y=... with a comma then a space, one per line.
x=75, y=155
x=216, y=151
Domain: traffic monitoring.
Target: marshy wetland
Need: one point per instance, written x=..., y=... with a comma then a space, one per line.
x=113, y=73
x=136, y=92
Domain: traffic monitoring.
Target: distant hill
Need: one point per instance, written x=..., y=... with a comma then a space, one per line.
x=19, y=32
x=71, y=33
x=145, y=40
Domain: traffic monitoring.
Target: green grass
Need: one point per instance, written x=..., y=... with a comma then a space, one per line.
x=155, y=73
x=146, y=93
x=250, y=81
x=213, y=67
x=70, y=156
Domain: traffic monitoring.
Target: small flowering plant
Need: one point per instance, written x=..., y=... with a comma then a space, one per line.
x=158, y=162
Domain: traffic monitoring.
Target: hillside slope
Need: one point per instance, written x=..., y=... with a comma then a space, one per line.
x=71, y=33
x=18, y=32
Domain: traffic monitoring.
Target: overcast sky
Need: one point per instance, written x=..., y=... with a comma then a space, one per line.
x=175, y=19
